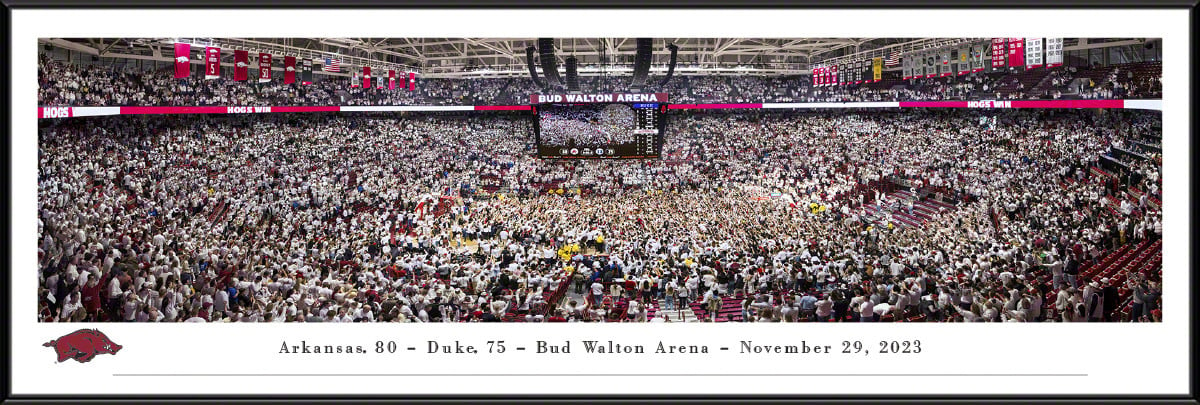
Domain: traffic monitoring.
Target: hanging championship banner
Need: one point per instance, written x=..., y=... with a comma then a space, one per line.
x=241, y=65
x=877, y=69
x=984, y=49
x=935, y=64
x=289, y=69
x=977, y=52
x=391, y=79
x=944, y=66
x=366, y=77
x=354, y=81
x=814, y=76
x=306, y=72
x=1054, y=56
x=928, y=69
x=212, y=63
x=999, y=53
x=964, y=60
x=264, y=67
x=412, y=81
x=1033, y=53
x=1016, y=52
x=183, y=60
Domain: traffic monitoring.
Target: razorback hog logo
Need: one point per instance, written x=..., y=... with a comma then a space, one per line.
x=181, y=59
x=291, y=69
x=242, y=64
x=82, y=345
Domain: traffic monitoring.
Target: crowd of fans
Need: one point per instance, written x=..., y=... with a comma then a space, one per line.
x=452, y=218
x=101, y=85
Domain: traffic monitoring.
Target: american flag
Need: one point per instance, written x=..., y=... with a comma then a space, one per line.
x=893, y=59
x=332, y=65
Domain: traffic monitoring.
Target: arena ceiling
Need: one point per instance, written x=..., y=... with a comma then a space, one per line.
x=459, y=54
x=483, y=57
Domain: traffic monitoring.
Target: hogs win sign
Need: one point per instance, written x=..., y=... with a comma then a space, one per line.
x=55, y=112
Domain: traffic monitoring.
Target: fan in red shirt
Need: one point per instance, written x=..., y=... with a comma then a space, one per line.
x=91, y=296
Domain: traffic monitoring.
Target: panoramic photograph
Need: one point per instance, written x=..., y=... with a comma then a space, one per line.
x=613, y=180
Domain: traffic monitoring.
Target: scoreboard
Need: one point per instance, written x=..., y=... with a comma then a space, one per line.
x=648, y=116
x=598, y=127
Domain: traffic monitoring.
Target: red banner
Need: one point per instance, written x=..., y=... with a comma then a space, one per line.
x=183, y=60
x=212, y=63
x=993, y=104
x=354, y=82
x=599, y=98
x=391, y=80
x=225, y=110
x=1016, y=52
x=264, y=67
x=999, y=52
x=54, y=112
x=502, y=108
x=412, y=81
x=241, y=65
x=366, y=77
x=711, y=106
x=289, y=69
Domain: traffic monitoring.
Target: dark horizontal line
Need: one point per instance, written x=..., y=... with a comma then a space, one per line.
x=593, y=375
x=594, y=4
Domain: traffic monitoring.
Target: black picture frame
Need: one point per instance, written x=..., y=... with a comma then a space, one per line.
x=5, y=65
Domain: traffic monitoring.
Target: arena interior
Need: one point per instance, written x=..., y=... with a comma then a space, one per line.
x=791, y=180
